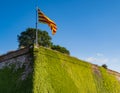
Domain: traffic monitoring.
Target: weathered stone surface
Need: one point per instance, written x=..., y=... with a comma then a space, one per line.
x=18, y=58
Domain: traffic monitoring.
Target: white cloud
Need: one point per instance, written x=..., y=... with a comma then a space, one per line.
x=98, y=58
x=115, y=60
x=99, y=54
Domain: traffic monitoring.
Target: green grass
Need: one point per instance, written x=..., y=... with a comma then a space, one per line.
x=110, y=83
x=55, y=72
x=10, y=81
x=58, y=73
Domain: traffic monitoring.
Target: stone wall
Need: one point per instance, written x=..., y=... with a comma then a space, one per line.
x=96, y=70
x=117, y=74
x=18, y=57
x=13, y=54
x=21, y=58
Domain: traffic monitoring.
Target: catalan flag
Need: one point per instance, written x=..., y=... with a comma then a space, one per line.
x=44, y=19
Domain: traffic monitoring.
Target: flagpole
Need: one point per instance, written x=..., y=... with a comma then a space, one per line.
x=36, y=23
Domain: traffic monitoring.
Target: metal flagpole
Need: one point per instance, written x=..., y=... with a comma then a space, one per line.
x=36, y=23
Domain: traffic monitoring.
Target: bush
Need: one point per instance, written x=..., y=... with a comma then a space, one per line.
x=104, y=66
x=60, y=49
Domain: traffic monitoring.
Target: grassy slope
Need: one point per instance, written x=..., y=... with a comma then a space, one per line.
x=10, y=81
x=58, y=73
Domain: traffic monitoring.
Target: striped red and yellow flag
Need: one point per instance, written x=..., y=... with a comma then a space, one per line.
x=44, y=19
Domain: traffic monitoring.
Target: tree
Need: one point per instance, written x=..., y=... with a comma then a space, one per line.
x=27, y=38
x=60, y=49
x=104, y=66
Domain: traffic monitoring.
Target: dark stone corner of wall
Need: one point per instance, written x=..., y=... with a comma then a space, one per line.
x=16, y=53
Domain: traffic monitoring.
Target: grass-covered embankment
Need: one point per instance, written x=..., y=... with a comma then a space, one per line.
x=54, y=72
x=58, y=73
x=11, y=82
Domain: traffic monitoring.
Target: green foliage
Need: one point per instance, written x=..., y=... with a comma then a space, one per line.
x=109, y=82
x=10, y=81
x=60, y=49
x=104, y=66
x=58, y=73
x=52, y=76
x=27, y=38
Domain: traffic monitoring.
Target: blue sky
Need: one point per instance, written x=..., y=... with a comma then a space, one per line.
x=90, y=29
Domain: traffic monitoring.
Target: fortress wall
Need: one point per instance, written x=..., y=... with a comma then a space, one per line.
x=18, y=57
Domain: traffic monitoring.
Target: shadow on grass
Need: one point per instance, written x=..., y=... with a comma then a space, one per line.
x=11, y=80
